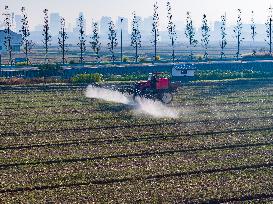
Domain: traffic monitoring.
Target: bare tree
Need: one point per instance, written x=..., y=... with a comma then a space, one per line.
x=135, y=36
x=46, y=34
x=223, y=42
x=171, y=29
x=8, y=39
x=95, y=40
x=113, y=42
x=62, y=40
x=190, y=33
x=155, y=30
x=26, y=42
x=82, y=40
x=205, y=35
x=238, y=33
x=269, y=29
x=253, y=32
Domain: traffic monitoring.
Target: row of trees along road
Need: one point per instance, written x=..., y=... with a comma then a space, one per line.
x=135, y=35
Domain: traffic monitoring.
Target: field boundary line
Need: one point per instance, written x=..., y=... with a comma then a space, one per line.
x=130, y=139
x=25, y=133
x=135, y=179
x=132, y=155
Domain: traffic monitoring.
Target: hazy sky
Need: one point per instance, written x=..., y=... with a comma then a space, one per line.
x=94, y=9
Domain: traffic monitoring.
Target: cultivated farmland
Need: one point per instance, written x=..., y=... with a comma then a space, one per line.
x=56, y=145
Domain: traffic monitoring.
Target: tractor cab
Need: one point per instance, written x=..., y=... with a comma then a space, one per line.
x=161, y=86
x=158, y=86
x=159, y=80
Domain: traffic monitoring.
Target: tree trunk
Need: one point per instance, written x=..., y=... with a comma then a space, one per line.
x=10, y=48
x=270, y=36
x=173, y=49
x=97, y=53
x=46, y=44
x=238, y=46
x=222, y=49
x=136, y=53
x=63, y=45
x=155, y=45
x=81, y=53
x=27, y=52
x=112, y=47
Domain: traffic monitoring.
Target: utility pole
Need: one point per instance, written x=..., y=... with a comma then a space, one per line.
x=121, y=51
x=238, y=47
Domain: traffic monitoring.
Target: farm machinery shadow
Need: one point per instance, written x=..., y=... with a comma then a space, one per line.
x=114, y=108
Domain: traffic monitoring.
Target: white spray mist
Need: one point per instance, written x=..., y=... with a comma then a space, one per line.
x=155, y=109
x=141, y=106
x=106, y=94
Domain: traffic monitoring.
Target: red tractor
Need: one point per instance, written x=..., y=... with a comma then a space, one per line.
x=158, y=87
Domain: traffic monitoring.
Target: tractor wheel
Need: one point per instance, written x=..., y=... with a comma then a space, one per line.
x=166, y=97
x=137, y=94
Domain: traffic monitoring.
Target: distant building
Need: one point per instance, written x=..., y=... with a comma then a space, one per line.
x=38, y=28
x=140, y=23
x=69, y=28
x=217, y=26
x=261, y=32
x=37, y=37
x=18, y=24
x=147, y=24
x=179, y=26
x=2, y=24
x=54, y=23
x=76, y=28
x=16, y=40
x=104, y=25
